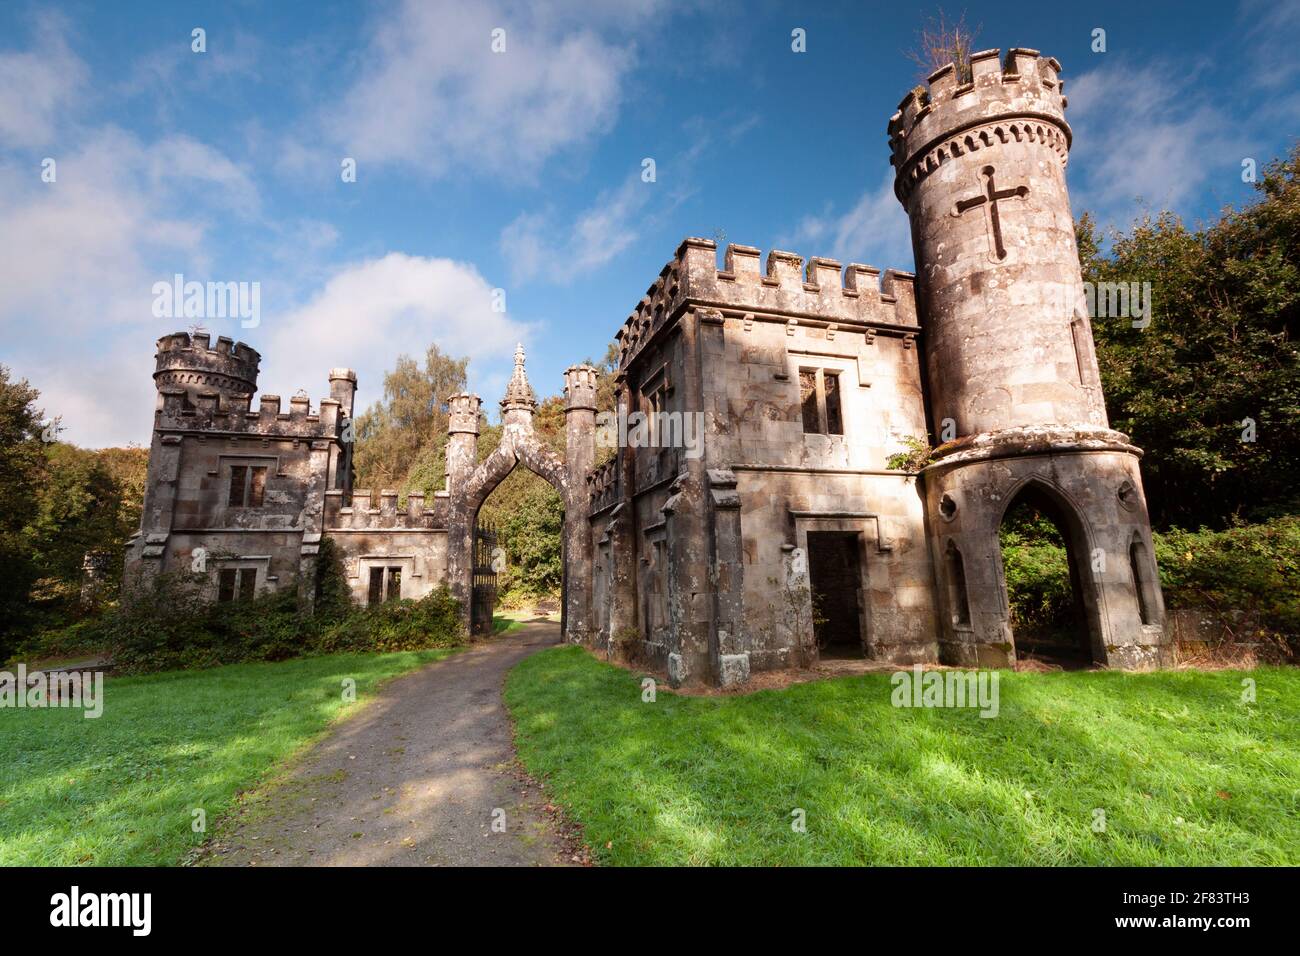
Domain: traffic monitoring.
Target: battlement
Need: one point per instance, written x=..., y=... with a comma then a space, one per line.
x=603, y=488
x=463, y=413
x=191, y=362
x=580, y=386
x=821, y=293
x=366, y=513
x=1020, y=98
x=212, y=411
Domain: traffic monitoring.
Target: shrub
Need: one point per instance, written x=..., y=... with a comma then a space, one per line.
x=169, y=623
x=1253, y=568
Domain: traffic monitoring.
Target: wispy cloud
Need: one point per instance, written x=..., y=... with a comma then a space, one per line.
x=434, y=96
x=39, y=83
x=874, y=232
x=1138, y=136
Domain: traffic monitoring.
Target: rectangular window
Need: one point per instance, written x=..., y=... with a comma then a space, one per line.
x=394, y=584
x=247, y=485
x=376, y=594
x=834, y=423
x=236, y=582
x=256, y=485
x=808, y=400
x=819, y=402
x=226, y=578
x=238, y=482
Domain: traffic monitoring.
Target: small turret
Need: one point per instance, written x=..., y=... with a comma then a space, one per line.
x=189, y=362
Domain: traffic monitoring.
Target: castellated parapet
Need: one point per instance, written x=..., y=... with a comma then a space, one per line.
x=820, y=294
x=190, y=363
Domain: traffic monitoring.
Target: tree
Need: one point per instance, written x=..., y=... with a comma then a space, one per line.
x=1210, y=389
x=22, y=465
x=411, y=421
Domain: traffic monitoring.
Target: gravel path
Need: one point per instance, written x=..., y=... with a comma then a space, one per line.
x=416, y=779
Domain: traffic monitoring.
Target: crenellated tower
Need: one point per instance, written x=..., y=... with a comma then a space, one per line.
x=1014, y=392
x=190, y=362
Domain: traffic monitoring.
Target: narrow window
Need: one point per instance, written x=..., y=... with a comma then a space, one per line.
x=226, y=584
x=1137, y=560
x=256, y=485
x=808, y=400
x=238, y=479
x=834, y=421
x=247, y=583
x=958, y=603
x=376, y=594
x=394, y=584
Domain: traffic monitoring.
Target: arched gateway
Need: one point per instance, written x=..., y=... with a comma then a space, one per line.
x=470, y=481
x=760, y=410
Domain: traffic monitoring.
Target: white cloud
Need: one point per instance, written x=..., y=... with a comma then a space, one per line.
x=536, y=246
x=874, y=232
x=432, y=95
x=37, y=84
x=1162, y=145
x=369, y=312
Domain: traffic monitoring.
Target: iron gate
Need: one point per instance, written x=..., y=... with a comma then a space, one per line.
x=484, y=591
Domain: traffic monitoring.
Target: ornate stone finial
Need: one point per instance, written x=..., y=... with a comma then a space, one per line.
x=519, y=392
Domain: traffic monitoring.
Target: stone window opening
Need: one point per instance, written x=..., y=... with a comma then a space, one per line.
x=958, y=601
x=385, y=584
x=247, y=485
x=236, y=584
x=819, y=401
x=1139, y=565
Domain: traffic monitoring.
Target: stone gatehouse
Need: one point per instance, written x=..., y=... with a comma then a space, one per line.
x=754, y=520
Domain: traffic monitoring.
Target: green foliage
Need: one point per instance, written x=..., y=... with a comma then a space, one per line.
x=110, y=791
x=1188, y=774
x=1037, y=573
x=21, y=469
x=916, y=457
x=530, y=535
x=169, y=624
x=1221, y=348
x=1252, y=568
x=411, y=419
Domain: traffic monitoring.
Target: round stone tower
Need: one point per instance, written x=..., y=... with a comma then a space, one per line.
x=1015, y=397
x=190, y=362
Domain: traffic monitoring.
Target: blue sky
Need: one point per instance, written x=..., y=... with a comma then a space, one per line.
x=521, y=170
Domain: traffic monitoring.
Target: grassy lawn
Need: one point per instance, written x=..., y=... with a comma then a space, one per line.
x=1185, y=772
x=121, y=789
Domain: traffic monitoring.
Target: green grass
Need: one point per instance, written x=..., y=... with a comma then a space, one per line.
x=504, y=625
x=121, y=789
x=1185, y=772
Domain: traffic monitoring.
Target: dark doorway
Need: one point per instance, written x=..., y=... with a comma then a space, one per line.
x=835, y=577
x=1044, y=567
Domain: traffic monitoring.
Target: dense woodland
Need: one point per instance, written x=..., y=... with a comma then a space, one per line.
x=1218, y=365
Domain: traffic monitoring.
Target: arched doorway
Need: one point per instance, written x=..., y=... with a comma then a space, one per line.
x=1049, y=579
x=470, y=482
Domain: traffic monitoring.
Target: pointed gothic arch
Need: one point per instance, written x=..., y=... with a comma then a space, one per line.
x=470, y=482
x=1068, y=518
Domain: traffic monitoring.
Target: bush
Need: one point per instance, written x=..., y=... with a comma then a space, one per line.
x=1253, y=568
x=169, y=624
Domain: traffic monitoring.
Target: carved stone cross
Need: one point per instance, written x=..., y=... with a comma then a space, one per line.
x=991, y=196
